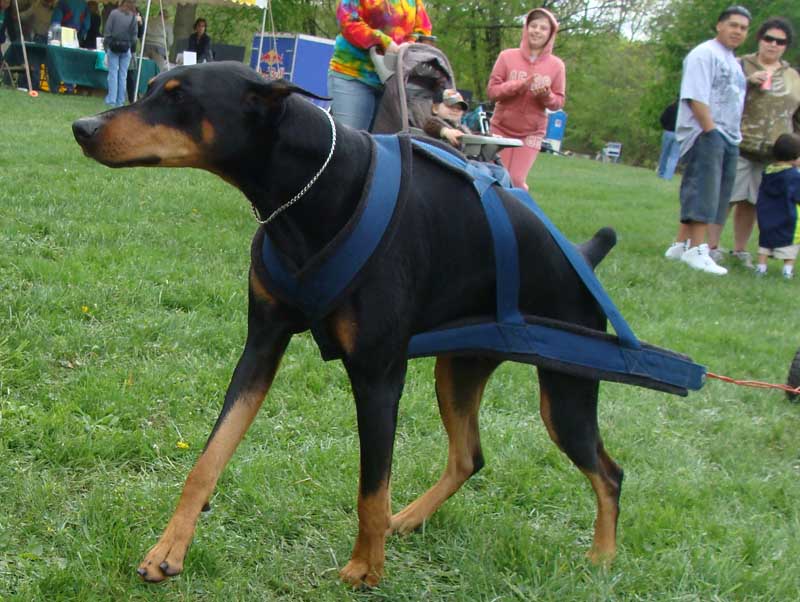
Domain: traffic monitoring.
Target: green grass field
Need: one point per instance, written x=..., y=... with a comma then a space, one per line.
x=122, y=314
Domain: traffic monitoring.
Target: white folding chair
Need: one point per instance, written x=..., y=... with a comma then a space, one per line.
x=611, y=152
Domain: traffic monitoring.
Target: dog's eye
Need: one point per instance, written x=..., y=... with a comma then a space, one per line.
x=177, y=95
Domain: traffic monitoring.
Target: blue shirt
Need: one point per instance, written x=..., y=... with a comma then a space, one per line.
x=74, y=14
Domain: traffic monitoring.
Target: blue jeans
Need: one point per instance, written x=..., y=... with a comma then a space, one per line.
x=670, y=152
x=354, y=103
x=117, y=78
x=708, y=176
x=498, y=172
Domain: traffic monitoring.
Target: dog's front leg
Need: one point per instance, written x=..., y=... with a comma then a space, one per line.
x=267, y=338
x=377, y=388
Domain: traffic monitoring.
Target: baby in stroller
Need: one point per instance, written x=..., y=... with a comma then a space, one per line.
x=420, y=97
x=445, y=121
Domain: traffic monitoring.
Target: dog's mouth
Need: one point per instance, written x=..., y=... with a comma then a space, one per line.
x=150, y=161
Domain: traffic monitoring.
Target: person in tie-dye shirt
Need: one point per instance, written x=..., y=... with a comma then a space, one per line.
x=352, y=80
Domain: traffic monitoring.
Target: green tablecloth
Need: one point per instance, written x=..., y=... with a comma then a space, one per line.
x=73, y=65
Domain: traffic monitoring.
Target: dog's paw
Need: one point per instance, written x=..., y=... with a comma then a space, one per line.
x=601, y=558
x=359, y=573
x=401, y=526
x=165, y=559
x=404, y=523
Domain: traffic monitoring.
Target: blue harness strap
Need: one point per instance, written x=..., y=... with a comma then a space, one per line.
x=581, y=354
x=512, y=335
x=498, y=221
x=315, y=292
x=564, y=347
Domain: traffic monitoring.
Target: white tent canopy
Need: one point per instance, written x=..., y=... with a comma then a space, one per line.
x=263, y=4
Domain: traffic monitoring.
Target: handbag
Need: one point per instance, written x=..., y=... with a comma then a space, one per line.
x=119, y=46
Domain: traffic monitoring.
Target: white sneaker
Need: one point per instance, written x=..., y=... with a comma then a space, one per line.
x=676, y=250
x=699, y=259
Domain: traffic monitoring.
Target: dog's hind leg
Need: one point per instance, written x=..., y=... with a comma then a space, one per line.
x=267, y=339
x=569, y=411
x=377, y=386
x=459, y=388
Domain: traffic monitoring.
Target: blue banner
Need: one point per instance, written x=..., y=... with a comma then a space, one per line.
x=298, y=58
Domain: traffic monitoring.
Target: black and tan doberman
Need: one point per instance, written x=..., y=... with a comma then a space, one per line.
x=269, y=141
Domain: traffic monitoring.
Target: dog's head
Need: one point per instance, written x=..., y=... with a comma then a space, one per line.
x=190, y=117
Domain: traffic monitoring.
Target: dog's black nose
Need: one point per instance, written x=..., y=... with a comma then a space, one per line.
x=85, y=129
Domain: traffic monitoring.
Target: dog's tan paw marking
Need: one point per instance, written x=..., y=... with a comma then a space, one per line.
x=601, y=558
x=165, y=559
x=404, y=523
x=359, y=573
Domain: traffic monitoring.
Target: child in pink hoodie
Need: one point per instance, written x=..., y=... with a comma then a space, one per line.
x=524, y=82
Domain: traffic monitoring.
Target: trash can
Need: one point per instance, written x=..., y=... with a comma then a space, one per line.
x=556, y=124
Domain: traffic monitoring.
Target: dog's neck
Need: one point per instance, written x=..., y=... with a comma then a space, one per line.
x=290, y=154
x=304, y=189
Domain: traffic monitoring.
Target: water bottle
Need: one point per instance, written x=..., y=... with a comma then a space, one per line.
x=483, y=121
x=54, y=35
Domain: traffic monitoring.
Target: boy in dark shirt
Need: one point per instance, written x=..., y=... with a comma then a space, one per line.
x=776, y=209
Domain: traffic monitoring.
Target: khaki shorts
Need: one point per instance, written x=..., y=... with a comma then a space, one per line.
x=789, y=252
x=748, y=179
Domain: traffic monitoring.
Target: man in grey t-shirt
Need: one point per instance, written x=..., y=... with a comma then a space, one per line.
x=708, y=130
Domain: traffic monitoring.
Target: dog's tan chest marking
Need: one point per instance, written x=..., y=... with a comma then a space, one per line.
x=258, y=289
x=344, y=329
x=209, y=134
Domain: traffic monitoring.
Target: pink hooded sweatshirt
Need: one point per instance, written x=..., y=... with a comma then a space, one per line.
x=518, y=113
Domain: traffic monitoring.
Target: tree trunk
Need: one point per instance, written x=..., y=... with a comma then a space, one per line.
x=493, y=36
x=183, y=24
x=477, y=72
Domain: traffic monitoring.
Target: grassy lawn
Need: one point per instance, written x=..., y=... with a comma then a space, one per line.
x=122, y=314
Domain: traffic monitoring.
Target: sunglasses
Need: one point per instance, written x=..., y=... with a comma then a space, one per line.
x=778, y=41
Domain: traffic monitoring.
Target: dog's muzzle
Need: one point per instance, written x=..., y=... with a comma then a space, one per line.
x=85, y=129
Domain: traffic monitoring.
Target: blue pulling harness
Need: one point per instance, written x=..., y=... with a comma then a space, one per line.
x=549, y=343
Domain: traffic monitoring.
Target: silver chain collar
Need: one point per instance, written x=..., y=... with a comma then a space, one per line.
x=305, y=189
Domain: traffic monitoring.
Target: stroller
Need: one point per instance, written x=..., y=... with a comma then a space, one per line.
x=412, y=78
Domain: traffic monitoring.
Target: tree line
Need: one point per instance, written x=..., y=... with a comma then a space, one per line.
x=623, y=57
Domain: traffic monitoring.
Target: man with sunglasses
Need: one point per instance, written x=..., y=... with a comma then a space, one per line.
x=708, y=130
x=771, y=108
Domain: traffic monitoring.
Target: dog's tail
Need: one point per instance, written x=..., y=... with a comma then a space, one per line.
x=596, y=248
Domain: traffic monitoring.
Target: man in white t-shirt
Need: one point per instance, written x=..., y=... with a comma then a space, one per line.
x=708, y=130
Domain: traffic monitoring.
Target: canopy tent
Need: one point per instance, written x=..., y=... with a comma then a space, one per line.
x=263, y=4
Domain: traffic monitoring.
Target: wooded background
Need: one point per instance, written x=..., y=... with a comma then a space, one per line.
x=623, y=57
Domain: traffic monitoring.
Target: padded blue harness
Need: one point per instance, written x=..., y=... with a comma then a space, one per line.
x=557, y=345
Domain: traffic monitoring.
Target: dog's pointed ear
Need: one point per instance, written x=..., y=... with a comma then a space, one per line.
x=272, y=93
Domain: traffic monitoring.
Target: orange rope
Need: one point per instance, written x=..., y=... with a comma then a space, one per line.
x=754, y=383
